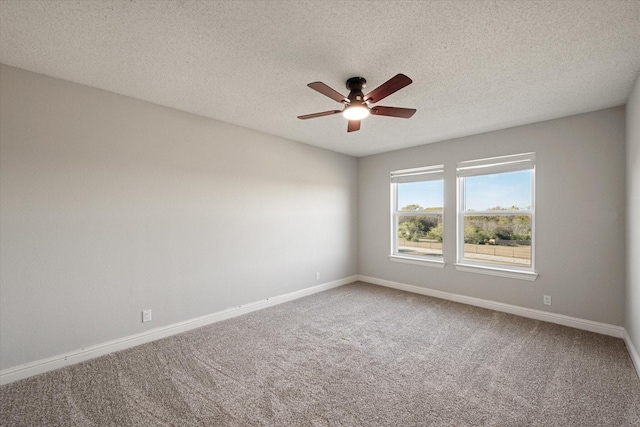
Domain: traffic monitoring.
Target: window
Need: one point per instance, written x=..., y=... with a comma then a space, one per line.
x=417, y=215
x=496, y=215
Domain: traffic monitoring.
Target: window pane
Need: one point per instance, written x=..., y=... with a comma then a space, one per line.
x=420, y=235
x=418, y=196
x=500, y=191
x=498, y=239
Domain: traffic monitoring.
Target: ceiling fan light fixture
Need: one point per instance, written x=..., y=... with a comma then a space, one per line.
x=356, y=104
x=355, y=112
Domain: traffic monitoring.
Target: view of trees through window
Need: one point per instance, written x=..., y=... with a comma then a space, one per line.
x=485, y=228
x=414, y=228
x=419, y=210
x=502, y=233
x=494, y=210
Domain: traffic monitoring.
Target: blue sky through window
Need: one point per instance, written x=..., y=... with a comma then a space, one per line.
x=483, y=192
x=507, y=189
x=428, y=194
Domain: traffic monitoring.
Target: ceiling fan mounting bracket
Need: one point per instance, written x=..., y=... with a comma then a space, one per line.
x=356, y=83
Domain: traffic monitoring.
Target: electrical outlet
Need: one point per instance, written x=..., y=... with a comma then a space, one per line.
x=547, y=300
x=318, y=275
x=146, y=316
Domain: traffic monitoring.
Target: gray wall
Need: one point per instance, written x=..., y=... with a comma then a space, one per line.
x=112, y=205
x=580, y=215
x=632, y=321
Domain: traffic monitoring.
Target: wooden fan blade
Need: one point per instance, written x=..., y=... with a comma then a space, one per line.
x=353, y=126
x=327, y=91
x=392, y=85
x=314, y=115
x=404, y=113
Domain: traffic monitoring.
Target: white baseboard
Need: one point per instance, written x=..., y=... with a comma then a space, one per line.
x=44, y=365
x=560, y=319
x=633, y=352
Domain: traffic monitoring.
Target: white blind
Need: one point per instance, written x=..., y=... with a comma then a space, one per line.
x=513, y=163
x=430, y=173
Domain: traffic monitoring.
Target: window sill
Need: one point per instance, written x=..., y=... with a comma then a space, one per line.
x=502, y=272
x=416, y=261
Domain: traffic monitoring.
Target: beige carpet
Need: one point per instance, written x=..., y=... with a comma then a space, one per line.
x=358, y=355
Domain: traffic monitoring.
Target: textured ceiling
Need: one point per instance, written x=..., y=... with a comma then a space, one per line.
x=476, y=65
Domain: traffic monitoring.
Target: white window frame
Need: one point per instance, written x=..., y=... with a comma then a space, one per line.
x=429, y=173
x=495, y=165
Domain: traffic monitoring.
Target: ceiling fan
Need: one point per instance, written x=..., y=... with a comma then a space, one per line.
x=356, y=104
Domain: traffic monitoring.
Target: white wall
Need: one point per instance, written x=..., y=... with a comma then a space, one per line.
x=111, y=205
x=632, y=321
x=580, y=211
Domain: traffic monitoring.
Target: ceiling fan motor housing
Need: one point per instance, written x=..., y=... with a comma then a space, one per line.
x=355, y=86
